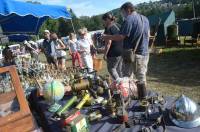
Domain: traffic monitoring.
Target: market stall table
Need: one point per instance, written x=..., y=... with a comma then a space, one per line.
x=106, y=124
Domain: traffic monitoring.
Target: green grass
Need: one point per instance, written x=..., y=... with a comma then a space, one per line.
x=174, y=72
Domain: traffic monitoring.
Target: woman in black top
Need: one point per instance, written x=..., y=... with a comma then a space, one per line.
x=113, y=49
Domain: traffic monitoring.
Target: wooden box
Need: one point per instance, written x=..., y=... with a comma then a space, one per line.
x=21, y=120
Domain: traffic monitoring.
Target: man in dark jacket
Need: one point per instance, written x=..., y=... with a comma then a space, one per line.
x=47, y=49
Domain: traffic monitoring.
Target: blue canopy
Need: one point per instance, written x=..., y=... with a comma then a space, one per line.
x=18, y=37
x=26, y=18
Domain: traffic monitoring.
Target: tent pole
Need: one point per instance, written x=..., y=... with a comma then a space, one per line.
x=72, y=25
x=193, y=8
x=38, y=37
x=37, y=25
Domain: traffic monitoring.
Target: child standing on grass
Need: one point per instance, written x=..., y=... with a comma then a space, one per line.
x=73, y=50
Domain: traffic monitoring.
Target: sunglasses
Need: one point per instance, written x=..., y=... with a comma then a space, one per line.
x=82, y=34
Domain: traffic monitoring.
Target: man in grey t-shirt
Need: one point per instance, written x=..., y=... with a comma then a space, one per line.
x=135, y=29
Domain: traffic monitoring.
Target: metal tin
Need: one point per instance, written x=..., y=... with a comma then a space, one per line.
x=83, y=85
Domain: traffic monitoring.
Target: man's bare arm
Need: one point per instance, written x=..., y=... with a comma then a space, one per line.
x=117, y=37
x=107, y=47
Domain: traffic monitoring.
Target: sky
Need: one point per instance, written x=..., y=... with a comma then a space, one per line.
x=90, y=7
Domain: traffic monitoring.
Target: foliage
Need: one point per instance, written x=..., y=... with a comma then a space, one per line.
x=63, y=27
x=182, y=8
x=93, y=23
x=51, y=24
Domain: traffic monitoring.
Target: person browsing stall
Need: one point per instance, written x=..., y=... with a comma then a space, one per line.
x=135, y=35
x=73, y=50
x=47, y=49
x=113, y=49
x=91, y=41
x=84, y=49
x=59, y=52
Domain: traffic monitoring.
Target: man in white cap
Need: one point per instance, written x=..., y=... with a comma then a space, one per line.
x=47, y=48
x=46, y=31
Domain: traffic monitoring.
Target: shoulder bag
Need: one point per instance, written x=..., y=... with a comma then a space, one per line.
x=129, y=54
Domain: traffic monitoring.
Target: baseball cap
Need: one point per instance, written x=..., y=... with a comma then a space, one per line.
x=46, y=31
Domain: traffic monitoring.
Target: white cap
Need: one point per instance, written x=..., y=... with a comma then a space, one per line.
x=46, y=31
x=25, y=42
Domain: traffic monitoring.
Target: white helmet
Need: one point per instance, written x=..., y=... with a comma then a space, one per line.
x=185, y=113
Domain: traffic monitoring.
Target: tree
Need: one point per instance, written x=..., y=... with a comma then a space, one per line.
x=51, y=25
x=65, y=26
x=182, y=8
x=96, y=23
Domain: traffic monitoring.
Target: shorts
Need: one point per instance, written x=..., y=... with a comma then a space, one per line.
x=51, y=60
x=60, y=58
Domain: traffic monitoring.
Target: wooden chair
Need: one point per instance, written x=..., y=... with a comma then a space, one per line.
x=22, y=120
x=190, y=41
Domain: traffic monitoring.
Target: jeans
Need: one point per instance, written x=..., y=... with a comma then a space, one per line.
x=114, y=66
x=138, y=68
